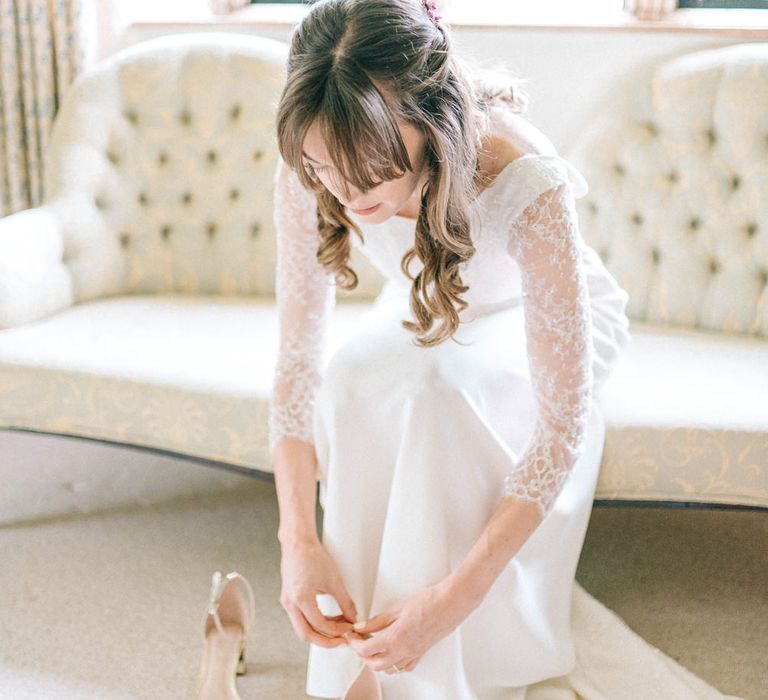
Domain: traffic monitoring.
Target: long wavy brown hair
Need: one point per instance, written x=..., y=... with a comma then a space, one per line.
x=339, y=53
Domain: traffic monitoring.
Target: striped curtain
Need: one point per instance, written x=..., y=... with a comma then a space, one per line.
x=41, y=53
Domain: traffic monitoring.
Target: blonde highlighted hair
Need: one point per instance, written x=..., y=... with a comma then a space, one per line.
x=340, y=52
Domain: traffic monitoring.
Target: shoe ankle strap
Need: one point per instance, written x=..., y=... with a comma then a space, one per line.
x=218, y=583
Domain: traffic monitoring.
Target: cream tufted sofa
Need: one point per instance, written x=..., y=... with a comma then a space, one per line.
x=136, y=304
x=678, y=210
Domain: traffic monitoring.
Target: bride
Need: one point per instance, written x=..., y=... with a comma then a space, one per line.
x=455, y=434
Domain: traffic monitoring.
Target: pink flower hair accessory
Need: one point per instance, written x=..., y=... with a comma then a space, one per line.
x=431, y=8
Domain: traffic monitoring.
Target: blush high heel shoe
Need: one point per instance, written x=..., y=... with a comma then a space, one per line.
x=226, y=622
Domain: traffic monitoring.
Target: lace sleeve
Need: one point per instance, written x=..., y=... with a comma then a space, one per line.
x=305, y=297
x=544, y=242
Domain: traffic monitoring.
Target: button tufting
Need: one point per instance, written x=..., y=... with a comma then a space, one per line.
x=113, y=158
x=258, y=154
x=131, y=116
x=255, y=229
x=619, y=169
x=762, y=275
x=234, y=194
x=185, y=117
x=603, y=252
x=655, y=255
x=99, y=202
x=125, y=239
x=711, y=135
x=210, y=229
x=637, y=218
x=186, y=198
x=234, y=113
x=593, y=207
x=694, y=223
x=165, y=231
x=162, y=158
x=735, y=181
x=751, y=229
x=714, y=266
x=143, y=199
x=651, y=128
x=673, y=176
x=211, y=156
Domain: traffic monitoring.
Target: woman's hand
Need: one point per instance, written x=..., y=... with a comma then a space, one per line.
x=409, y=628
x=307, y=569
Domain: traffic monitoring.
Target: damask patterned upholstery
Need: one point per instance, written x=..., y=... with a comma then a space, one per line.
x=136, y=304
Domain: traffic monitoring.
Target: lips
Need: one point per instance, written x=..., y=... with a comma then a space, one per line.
x=369, y=210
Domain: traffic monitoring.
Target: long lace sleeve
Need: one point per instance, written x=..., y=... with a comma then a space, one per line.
x=544, y=242
x=305, y=297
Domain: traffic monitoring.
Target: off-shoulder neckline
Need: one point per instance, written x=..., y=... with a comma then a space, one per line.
x=500, y=176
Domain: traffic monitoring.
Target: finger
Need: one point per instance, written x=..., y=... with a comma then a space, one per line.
x=320, y=622
x=385, y=662
x=335, y=618
x=411, y=664
x=306, y=633
x=377, y=622
x=346, y=604
x=402, y=665
x=366, y=648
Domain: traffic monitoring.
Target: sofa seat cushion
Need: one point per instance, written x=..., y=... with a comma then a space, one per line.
x=685, y=410
x=190, y=374
x=686, y=418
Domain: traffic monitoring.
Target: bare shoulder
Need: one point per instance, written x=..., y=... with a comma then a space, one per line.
x=512, y=136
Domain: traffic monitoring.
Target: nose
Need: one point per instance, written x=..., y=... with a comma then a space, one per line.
x=355, y=197
x=345, y=191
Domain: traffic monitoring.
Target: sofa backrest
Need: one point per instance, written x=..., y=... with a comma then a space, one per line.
x=677, y=166
x=161, y=164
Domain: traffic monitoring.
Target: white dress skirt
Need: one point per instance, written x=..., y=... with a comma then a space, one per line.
x=412, y=445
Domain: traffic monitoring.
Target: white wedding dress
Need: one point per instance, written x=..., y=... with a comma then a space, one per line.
x=416, y=446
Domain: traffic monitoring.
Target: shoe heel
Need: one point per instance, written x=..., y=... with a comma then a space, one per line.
x=241, y=667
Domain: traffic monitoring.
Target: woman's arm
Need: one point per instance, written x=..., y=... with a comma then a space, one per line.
x=295, y=483
x=305, y=296
x=544, y=242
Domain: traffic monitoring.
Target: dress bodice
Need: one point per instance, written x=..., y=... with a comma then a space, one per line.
x=493, y=276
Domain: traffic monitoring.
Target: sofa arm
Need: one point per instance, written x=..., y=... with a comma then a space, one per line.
x=34, y=281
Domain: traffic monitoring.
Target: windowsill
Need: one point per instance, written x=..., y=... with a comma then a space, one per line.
x=742, y=22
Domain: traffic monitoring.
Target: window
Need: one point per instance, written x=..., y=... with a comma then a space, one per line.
x=725, y=4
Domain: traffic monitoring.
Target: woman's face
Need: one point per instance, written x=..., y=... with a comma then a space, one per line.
x=390, y=197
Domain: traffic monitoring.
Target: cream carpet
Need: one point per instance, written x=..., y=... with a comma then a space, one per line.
x=108, y=604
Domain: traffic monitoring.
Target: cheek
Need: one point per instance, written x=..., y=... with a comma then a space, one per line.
x=396, y=191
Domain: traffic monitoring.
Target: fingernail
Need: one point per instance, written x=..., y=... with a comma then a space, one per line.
x=359, y=625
